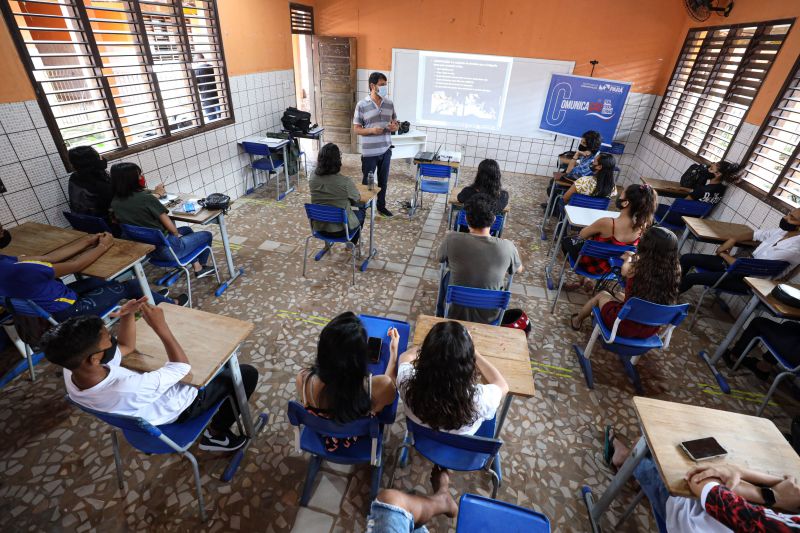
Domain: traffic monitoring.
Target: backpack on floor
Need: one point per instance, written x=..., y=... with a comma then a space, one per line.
x=516, y=319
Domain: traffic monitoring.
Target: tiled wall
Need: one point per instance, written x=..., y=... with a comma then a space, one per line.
x=520, y=154
x=36, y=180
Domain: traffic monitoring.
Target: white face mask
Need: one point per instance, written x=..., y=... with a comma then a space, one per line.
x=383, y=91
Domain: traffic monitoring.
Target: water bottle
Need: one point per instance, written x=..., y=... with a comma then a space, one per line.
x=371, y=180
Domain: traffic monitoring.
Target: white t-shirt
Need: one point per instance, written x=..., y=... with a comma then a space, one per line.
x=688, y=515
x=156, y=396
x=772, y=247
x=487, y=400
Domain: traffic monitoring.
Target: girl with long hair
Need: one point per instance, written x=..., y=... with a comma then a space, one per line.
x=439, y=383
x=600, y=184
x=487, y=181
x=89, y=185
x=339, y=386
x=652, y=274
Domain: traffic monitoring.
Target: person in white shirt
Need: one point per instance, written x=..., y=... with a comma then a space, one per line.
x=91, y=357
x=439, y=382
x=779, y=244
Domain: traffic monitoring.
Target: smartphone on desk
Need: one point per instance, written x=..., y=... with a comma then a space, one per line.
x=374, y=345
x=703, y=449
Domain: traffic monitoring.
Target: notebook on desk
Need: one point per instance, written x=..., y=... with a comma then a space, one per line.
x=429, y=156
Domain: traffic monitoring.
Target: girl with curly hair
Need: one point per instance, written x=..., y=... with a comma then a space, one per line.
x=439, y=383
x=652, y=274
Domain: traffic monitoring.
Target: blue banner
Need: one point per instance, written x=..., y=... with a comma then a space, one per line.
x=576, y=104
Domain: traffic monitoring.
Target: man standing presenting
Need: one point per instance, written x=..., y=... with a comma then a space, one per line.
x=375, y=120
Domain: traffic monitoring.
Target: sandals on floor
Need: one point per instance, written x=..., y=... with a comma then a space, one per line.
x=572, y=322
x=608, y=446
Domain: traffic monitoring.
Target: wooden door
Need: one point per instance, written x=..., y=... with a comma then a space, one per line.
x=334, y=61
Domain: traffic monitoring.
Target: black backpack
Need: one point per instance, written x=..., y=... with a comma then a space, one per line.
x=695, y=175
x=296, y=121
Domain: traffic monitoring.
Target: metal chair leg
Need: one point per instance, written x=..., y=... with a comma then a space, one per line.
x=117, y=459
x=198, y=485
x=313, y=468
x=305, y=255
x=214, y=262
x=352, y=248
x=697, y=309
x=29, y=358
x=771, y=391
x=560, y=284
x=188, y=285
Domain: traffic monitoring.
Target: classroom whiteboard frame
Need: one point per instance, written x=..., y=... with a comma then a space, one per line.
x=536, y=132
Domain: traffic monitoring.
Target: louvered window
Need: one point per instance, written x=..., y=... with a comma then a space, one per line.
x=772, y=166
x=716, y=79
x=123, y=76
x=302, y=19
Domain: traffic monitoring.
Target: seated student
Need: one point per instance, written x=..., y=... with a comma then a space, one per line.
x=580, y=162
x=135, y=205
x=783, y=336
x=652, y=274
x=636, y=204
x=477, y=259
x=329, y=187
x=710, y=190
x=727, y=497
x=91, y=357
x=776, y=244
x=439, y=383
x=395, y=511
x=601, y=184
x=89, y=185
x=37, y=278
x=339, y=386
x=487, y=181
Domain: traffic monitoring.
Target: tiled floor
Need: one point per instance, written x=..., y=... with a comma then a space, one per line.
x=56, y=463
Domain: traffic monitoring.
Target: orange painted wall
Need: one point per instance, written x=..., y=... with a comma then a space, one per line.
x=255, y=34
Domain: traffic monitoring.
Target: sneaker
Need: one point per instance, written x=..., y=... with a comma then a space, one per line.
x=227, y=442
x=385, y=212
x=164, y=292
x=182, y=300
x=203, y=272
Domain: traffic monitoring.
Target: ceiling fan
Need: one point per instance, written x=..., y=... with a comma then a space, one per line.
x=701, y=10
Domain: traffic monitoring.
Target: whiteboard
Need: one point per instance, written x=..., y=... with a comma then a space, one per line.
x=473, y=92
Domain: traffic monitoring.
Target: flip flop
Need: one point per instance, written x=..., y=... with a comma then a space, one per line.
x=572, y=322
x=608, y=446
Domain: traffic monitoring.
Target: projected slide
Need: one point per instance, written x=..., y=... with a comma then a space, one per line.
x=462, y=90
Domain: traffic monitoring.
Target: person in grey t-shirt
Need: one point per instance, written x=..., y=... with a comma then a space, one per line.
x=375, y=120
x=477, y=259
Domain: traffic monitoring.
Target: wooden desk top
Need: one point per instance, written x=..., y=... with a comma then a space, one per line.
x=751, y=441
x=666, y=187
x=118, y=259
x=455, y=203
x=763, y=287
x=505, y=348
x=33, y=238
x=366, y=194
x=585, y=216
x=199, y=217
x=207, y=339
x=708, y=230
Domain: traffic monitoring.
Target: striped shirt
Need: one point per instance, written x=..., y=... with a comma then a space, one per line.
x=369, y=115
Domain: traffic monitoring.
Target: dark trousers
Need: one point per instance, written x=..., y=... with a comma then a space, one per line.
x=96, y=296
x=783, y=336
x=715, y=267
x=220, y=387
x=381, y=163
x=360, y=215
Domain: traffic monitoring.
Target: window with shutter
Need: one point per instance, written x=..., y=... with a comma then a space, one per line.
x=772, y=165
x=716, y=79
x=302, y=19
x=123, y=76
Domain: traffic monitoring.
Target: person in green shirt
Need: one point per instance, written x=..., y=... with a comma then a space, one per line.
x=133, y=204
x=328, y=187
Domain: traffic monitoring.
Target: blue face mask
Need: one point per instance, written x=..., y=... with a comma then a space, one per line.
x=383, y=91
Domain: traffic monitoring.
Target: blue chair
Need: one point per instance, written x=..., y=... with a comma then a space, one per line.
x=150, y=439
x=788, y=369
x=576, y=200
x=156, y=238
x=87, y=223
x=261, y=160
x=444, y=281
x=310, y=432
x=743, y=267
x=477, y=299
x=497, y=226
x=334, y=215
x=434, y=179
x=464, y=453
x=684, y=208
x=596, y=249
x=630, y=349
x=479, y=513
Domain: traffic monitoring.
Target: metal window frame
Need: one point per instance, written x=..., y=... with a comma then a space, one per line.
x=124, y=150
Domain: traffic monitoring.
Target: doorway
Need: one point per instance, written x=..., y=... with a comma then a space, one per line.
x=304, y=73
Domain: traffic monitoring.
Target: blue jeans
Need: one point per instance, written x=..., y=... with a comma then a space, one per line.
x=650, y=481
x=385, y=518
x=96, y=296
x=185, y=244
x=381, y=163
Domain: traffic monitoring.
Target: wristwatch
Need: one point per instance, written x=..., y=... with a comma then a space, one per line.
x=768, y=495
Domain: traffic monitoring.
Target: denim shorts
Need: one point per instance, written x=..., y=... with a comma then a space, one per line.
x=385, y=518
